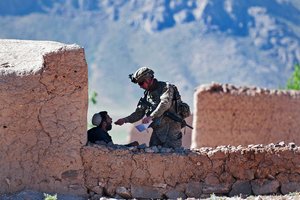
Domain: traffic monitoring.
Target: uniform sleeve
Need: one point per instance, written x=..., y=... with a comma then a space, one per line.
x=138, y=114
x=165, y=102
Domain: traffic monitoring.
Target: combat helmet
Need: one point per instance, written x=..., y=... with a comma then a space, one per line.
x=141, y=74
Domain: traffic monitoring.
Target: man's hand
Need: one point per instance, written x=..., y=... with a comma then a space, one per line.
x=146, y=120
x=120, y=122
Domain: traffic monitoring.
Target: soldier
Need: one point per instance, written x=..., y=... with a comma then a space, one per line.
x=99, y=134
x=158, y=99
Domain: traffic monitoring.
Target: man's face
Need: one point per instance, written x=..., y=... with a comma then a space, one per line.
x=145, y=84
x=108, y=122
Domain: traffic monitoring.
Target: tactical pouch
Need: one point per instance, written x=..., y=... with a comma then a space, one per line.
x=183, y=109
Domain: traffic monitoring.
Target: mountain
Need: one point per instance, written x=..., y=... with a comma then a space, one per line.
x=186, y=42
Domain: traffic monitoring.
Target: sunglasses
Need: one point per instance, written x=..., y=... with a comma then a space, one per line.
x=141, y=83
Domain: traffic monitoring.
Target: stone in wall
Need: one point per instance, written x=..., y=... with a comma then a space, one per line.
x=229, y=115
x=43, y=107
x=144, y=137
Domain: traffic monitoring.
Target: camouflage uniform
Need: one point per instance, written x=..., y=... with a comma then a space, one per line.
x=166, y=132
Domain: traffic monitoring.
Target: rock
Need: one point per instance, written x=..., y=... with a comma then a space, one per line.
x=287, y=188
x=97, y=197
x=26, y=194
x=34, y=195
x=174, y=194
x=100, y=143
x=149, y=150
x=226, y=178
x=155, y=149
x=70, y=174
x=145, y=192
x=97, y=190
x=241, y=187
x=123, y=192
x=211, y=179
x=280, y=144
x=160, y=185
x=166, y=150
x=142, y=146
x=283, y=177
x=216, y=189
x=179, y=150
x=264, y=187
x=194, y=189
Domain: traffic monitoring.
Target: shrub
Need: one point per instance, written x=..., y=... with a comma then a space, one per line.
x=50, y=197
x=93, y=97
x=293, y=82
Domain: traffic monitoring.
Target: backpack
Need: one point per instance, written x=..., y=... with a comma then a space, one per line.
x=182, y=108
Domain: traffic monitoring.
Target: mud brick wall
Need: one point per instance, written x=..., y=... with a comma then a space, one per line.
x=43, y=105
x=166, y=173
x=229, y=115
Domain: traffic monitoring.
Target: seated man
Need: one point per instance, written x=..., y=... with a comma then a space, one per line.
x=99, y=134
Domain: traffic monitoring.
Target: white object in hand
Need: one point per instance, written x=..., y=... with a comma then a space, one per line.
x=142, y=127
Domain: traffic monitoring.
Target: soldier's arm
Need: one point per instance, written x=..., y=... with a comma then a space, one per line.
x=138, y=114
x=165, y=102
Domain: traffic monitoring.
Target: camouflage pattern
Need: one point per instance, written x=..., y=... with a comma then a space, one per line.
x=141, y=74
x=166, y=132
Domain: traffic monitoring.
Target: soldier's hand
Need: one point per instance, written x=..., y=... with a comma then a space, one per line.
x=146, y=120
x=120, y=121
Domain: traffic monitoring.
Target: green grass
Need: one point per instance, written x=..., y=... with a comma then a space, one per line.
x=50, y=197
